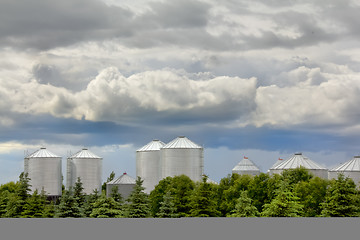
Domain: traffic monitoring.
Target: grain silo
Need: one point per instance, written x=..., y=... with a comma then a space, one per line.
x=148, y=165
x=279, y=161
x=350, y=169
x=88, y=167
x=246, y=166
x=125, y=185
x=298, y=160
x=182, y=156
x=44, y=170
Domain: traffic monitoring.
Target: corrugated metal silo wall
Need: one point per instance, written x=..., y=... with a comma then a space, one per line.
x=177, y=161
x=124, y=189
x=90, y=172
x=354, y=175
x=45, y=173
x=148, y=167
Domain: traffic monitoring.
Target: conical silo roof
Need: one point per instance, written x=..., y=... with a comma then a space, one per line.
x=279, y=161
x=296, y=161
x=123, y=179
x=42, y=153
x=85, y=153
x=246, y=165
x=352, y=165
x=181, y=142
x=154, y=145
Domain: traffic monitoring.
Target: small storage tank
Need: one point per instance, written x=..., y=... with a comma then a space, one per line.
x=350, y=169
x=88, y=167
x=148, y=165
x=298, y=160
x=246, y=166
x=44, y=170
x=125, y=185
x=182, y=156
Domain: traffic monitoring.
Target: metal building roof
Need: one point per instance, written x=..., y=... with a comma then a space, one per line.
x=85, y=153
x=279, y=161
x=181, y=142
x=246, y=165
x=42, y=153
x=123, y=179
x=298, y=160
x=154, y=145
x=351, y=165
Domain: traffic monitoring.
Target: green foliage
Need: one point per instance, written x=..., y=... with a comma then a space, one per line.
x=34, y=206
x=105, y=207
x=110, y=178
x=167, y=207
x=285, y=204
x=203, y=201
x=262, y=189
x=232, y=193
x=4, y=199
x=181, y=188
x=244, y=208
x=138, y=206
x=293, y=176
x=78, y=193
x=10, y=187
x=342, y=199
x=311, y=194
x=116, y=195
x=17, y=201
x=68, y=207
x=89, y=201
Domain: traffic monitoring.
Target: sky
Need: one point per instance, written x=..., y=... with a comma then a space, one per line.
x=257, y=78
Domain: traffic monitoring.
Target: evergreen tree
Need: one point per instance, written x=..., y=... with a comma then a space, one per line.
x=17, y=201
x=68, y=207
x=34, y=206
x=167, y=207
x=78, y=193
x=116, y=195
x=285, y=204
x=342, y=199
x=244, y=208
x=105, y=207
x=4, y=199
x=294, y=176
x=110, y=178
x=138, y=206
x=203, y=201
x=89, y=201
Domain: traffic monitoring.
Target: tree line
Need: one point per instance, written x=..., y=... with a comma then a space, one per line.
x=294, y=193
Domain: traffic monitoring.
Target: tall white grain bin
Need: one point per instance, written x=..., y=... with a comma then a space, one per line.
x=350, y=169
x=182, y=156
x=44, y=170
x=88, y=167
x=298, y=160
x=246, y=166
x=279, y=161
x=148, y=164
x=125, y=185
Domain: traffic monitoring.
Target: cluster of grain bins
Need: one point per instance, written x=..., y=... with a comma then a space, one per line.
x=44, y=170
x=157, y=160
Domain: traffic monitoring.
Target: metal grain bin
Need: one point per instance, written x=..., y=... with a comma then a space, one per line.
x=148, y=165
x=246, y=166
x=44, y=170
x=182, y=156
x=298, y=160
x=125, y=185
x=350, y=169
x=88, y=167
